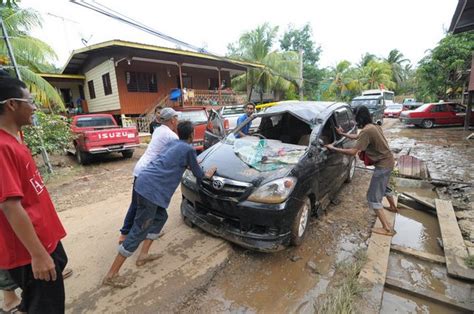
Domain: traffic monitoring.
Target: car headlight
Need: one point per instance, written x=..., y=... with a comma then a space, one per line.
x=274, y=192
x=188, y=177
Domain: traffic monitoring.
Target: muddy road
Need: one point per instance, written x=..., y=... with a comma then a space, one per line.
x=200, y=273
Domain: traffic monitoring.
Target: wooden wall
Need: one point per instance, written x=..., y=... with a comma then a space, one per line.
x=102, y=102
x=167, y=77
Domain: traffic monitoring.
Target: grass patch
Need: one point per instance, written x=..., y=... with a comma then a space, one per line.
x=469, y=261
x=341, y=298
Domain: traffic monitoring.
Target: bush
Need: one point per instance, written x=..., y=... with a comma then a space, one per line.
x=53, y=129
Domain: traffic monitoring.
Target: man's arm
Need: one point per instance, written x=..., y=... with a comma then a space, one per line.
x=351, y=136
x=346, y=151
x=41, y=262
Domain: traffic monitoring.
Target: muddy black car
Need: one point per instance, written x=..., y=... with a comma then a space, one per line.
x=268, y=184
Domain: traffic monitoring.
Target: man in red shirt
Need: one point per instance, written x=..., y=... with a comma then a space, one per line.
x=30, y=229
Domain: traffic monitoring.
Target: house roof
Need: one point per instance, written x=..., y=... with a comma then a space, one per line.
x=53, y=76
x=129, y=49
x=463, y=18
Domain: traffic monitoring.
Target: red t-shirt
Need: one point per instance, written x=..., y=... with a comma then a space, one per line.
x=19, y=177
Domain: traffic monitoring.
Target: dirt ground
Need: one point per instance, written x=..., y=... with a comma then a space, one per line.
x=200, y=273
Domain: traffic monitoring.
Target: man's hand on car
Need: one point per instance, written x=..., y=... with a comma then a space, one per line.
x=210, y=172
x=340, y=130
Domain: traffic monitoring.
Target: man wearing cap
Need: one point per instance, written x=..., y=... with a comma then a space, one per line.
x=160, y=139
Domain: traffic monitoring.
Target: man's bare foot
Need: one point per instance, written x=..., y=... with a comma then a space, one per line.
x=382, y=231
x=118, y=281
x=391, y=209
x=142, y=260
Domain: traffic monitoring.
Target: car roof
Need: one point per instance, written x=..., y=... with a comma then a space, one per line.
x=367, y=97
x=308, y=111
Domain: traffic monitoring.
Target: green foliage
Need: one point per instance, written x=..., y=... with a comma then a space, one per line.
x=301, y=39
x=442, y=73
x=469, y=260
x=32, y=55
x=54, y=131
x=279, y=69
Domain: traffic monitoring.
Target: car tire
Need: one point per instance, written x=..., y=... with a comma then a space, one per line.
x=300, y=223
x=82, y=158
x=188, y=222
x=351, y=170
x=127, y=153
x=427, y=124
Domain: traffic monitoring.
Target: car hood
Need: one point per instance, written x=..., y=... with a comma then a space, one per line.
x=229, y=163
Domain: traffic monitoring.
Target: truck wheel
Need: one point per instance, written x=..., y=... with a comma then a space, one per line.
x=127, y=153
x=83, y=158
x=427, y=124
x=300, y=224
x=351, y=170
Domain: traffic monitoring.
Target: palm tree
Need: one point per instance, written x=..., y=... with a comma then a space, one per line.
x=32, y=55
x=375, y=74
x=278, y=69
x=344, y=83
x=365, y=59
x=396, y=61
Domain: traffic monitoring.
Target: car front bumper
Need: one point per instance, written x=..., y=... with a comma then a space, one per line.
x=261, y=227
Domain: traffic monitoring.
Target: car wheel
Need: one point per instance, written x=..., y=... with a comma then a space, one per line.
x=127, y=153
x=351, y=170
x=188, y=222
x=82, y=158
x=427, y=124
x=301, y=222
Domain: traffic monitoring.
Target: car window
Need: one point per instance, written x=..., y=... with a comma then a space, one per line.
x=394, y=107
x=459, y=108
x=439, y=108
x=94, y=121
x=195, y=116
x=422, y=108
x=232, y=110
x=369, y=103
x=327, y=133
x=343, y=119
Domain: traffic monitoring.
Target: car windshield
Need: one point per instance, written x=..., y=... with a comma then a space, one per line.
x=195, y=116
x=369, y=103
x=232, y=110
x=395, y=107
x=422, y=108
x=266, y=154
x=94, y=122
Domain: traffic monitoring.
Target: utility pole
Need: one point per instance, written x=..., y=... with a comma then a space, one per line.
x=300, y=80
x=18, y=75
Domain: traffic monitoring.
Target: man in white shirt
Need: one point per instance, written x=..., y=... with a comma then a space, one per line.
x=163, y=135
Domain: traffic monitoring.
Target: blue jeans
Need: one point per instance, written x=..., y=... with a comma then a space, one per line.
x=132, y=209
x=148, y=222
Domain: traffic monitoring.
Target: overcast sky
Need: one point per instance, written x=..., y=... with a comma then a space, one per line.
x=345, y=29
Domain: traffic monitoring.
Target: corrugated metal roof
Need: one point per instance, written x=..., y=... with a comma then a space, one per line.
x=78, y=56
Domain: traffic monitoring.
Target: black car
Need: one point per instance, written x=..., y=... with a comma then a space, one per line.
x=267, y=184
x=375, y=103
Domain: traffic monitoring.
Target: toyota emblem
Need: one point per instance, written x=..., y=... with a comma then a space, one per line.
x=217, y=184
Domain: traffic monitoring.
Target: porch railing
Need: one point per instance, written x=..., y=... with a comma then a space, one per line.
x=192, y=97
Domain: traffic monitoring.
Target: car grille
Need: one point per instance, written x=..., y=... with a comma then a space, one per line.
x=226, y=188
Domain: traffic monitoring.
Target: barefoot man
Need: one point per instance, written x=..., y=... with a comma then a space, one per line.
x=154, y=188
x=373, y=142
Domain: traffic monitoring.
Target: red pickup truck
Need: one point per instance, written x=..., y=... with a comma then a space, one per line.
x=198, y=116
x=100, y=134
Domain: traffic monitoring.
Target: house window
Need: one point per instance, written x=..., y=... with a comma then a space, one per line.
x=141, y=82
x=106, y=82
x=90, y=84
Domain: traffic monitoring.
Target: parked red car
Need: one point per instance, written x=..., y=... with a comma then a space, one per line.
x=443, y=113
x=198, y=116
x=393, y=111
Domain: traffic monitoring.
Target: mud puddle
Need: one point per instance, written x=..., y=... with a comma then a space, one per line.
x=427, y=276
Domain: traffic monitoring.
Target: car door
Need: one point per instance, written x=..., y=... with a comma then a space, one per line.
x=331, y=161
x=440, y=114
x=215, y=130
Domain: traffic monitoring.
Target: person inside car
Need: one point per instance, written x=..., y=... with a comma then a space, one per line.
x=249, y=110
x=373, y=142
